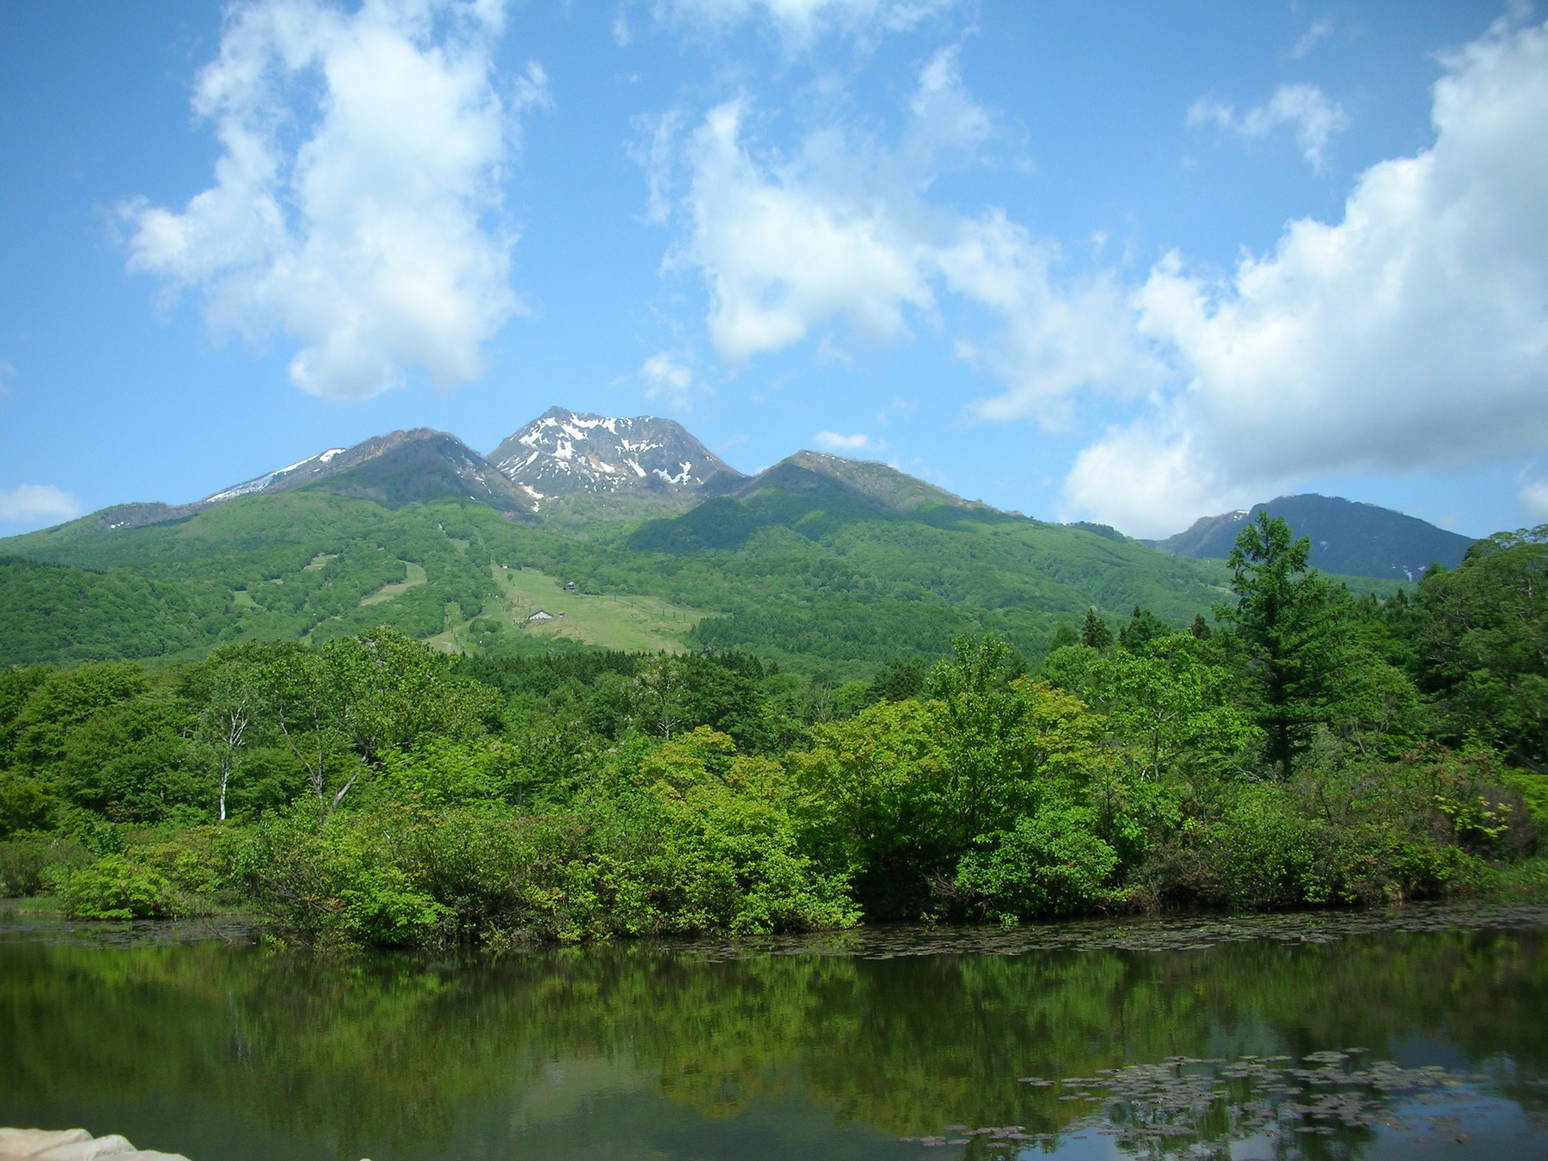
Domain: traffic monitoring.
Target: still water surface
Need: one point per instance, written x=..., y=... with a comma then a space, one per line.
x=1410, y=1034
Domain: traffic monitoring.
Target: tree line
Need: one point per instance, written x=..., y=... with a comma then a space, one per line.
x=1297, y=746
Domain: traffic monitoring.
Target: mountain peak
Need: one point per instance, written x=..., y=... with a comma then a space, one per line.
x=398, y=468
x=563, y=452
x=877, y=483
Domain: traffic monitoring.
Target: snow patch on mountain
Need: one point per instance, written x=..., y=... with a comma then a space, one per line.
x=564, y=452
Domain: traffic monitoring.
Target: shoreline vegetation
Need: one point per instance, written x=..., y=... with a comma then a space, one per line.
x=1298, y=748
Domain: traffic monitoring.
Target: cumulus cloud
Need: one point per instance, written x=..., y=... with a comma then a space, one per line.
x=35, y=503
x=1310, y=115
x=786, y=249
x=355, y=208
x=1412, y=334
x=842, y=237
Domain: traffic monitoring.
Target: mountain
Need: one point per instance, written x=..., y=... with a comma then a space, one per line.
x=1347, y=537
x=402, y=467
x=626, y=532
x=415, y=467
x=877, y=484
x=562, y=453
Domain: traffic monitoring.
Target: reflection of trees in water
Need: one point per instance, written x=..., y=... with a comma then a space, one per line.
x=901, y=1045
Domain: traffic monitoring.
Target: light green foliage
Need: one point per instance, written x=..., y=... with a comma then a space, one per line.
x=443, y=772
x=341, y=707
x=114, y=887
x=901, y=793
x=729, y=855
x=1169, y=709
x=26, y=804
x=871, y=789
x=66, y=698
x=693, y=837
x=379, y=792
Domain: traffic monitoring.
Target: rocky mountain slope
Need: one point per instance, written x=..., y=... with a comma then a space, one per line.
x=563, y=452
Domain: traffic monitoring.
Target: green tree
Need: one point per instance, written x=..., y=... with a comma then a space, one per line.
x=1483, y=644
x=1094, y=632
x=1286, y=619
x=226, y=693
x=1143, y=627
x=1168, y=708
x=342, y=706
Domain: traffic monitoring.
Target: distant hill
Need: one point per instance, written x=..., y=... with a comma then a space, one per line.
x=1347, y=537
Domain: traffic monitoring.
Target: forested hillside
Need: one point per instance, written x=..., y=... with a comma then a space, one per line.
x=820, y=580
x=1297, y=745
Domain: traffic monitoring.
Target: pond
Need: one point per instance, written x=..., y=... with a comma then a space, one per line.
x=1413, y=1033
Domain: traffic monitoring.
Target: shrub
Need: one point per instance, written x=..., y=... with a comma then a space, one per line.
x=337, y=882
x=28, y=863
x=114, y=887
x=1050, y=864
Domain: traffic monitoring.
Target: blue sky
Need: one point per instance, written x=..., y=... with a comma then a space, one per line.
x=1129, y=263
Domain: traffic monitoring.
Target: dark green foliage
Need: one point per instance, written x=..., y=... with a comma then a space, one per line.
x=1307, y=659
x=61, y=615
x=1140, y=629
x=1052, y=863
x=1482, y=635
x=1094, y=633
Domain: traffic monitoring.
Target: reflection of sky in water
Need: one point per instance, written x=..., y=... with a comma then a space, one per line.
x=1482, y=1128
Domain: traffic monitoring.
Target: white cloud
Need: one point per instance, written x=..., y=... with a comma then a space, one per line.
x=32, y=503
x=799, y=22
x=669, y=376
x=1305, y=109
x=788, y=248
x=1411, y=335
x=833, y=441
x=1533, y=494
x=355, y=207
x=841, y=237
x=1319, y=30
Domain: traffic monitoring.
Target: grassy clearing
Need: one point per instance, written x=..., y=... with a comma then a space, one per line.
x=613, y=621
x=414, y=574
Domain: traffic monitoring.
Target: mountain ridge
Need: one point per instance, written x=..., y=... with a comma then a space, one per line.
x=819, y=563
x=1347, y=537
